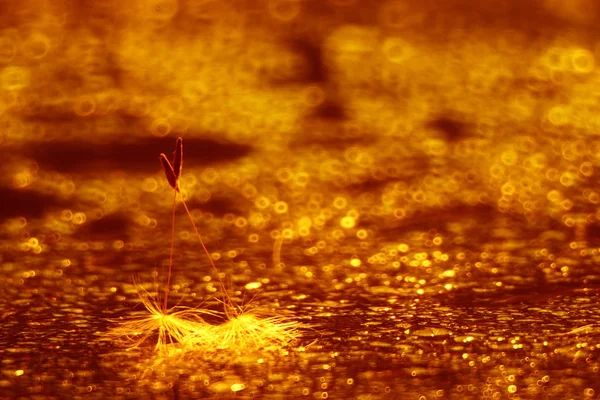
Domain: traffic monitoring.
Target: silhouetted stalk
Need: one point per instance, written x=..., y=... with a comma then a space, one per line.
x=172, y=250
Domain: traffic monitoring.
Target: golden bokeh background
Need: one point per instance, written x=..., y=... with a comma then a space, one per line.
x=418, y=181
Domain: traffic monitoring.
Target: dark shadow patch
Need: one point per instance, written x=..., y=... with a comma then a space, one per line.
x=592, y=235
x=451, y=128
x=370, y=185
x=72, y=157
x=330, y=110
x=314, y=69
x=108, y=227
x=25, y=203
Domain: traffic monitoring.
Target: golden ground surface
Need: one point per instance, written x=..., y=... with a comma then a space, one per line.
x=414, y=182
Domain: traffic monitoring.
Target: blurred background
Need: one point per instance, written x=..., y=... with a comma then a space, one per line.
x=428, y=168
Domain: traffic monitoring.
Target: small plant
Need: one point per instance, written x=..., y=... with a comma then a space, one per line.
x=168, y=325
x=172, y=172
x=243, y=329
x=247, y=329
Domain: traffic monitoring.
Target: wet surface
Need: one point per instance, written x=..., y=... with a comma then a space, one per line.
x=414, y=184
x=382, y=331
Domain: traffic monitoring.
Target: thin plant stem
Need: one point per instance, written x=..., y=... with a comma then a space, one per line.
x=172, y=250
x=173, y=174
